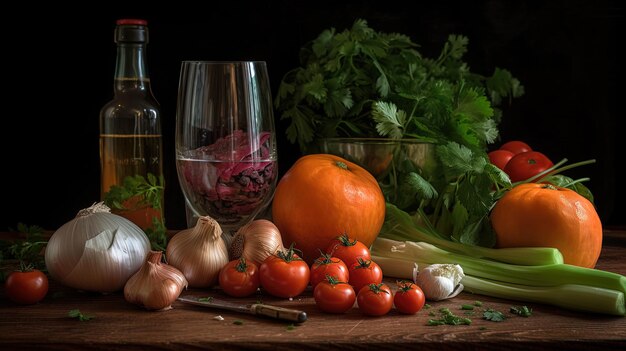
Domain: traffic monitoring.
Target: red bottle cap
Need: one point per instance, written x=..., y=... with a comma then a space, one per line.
x=132, y=21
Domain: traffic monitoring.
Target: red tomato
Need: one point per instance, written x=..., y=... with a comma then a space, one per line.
x=409, y=298
x=365, y=272
x=375, y=299
x=26, y=288
x=348, y=251
x=334, y=296
x=527, y=164
x=516, y=147
x=500, y=158
x=284, y=274
x=239, y=278
x=327, y=265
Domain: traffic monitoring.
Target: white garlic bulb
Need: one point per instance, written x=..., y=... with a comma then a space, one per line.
x=199, y=252
x=440, y=281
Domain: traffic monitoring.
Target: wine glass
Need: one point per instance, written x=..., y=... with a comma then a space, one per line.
x=225, y=141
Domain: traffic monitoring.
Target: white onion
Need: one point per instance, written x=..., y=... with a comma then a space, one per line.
x=96, y=251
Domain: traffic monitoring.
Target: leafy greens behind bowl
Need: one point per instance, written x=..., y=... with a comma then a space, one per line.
x=364, y=83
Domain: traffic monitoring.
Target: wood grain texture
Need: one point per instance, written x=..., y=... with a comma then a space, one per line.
x=119, y=325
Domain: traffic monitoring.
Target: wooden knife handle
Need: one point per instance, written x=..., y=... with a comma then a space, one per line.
x=278, y=312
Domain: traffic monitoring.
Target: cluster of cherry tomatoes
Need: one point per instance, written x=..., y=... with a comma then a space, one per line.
x=342, y=275
x=519, y=161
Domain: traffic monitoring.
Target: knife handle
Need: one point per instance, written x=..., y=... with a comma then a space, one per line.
x=278, y=312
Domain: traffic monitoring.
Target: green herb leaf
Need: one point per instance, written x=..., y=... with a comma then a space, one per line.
x=523, y=311
x=28, y=250
x=449, y=318
x=150, y=193
x=493, y=315
x=390, y=121
x=78, y=315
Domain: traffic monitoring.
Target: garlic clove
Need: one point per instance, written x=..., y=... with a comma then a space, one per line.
x=156, y=285
x=440, y=281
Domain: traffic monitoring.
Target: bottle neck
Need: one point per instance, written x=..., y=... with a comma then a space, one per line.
x=131, y=72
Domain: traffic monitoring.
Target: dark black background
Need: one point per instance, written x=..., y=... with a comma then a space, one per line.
x=58, y=72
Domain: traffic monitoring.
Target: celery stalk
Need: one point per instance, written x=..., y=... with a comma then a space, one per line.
x=560, y=285
x=571, y=296
x=546, y=275
x=399, y=226
x=397, y=268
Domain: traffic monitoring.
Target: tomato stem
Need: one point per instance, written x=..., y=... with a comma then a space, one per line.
x=241, y=266
x=344, y=239
x=290, y=254
x=24, y=267
x=377, y=288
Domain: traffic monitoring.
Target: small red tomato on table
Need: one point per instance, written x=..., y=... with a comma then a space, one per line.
x=239, y=278
x=326, y=265
x=284, y=274
x=334, y=296
x=409, y=298
x=348, y=250
x=365, y=272
x=27, y=286
x=375, y=299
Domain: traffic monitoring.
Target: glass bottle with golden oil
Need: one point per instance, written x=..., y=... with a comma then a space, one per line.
x=130, y=134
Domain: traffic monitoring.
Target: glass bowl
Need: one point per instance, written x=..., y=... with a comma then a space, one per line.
x=379, y=155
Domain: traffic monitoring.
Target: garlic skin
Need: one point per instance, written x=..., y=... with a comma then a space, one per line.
x=155, y=286
x=256, y=241
x=199, y=252
x=440, y=281
x=96, y=251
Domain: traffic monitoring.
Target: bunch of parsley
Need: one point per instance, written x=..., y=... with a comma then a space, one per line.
x=364, y=83
x=150, y=191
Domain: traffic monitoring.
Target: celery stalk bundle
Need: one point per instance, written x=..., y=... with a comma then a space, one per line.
x=526, y=274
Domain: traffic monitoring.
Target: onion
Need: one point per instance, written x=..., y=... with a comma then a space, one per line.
x=256, y=241
x=96, y=251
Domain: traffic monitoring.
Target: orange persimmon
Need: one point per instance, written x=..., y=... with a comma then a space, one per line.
x=323, y=196
x=543, y=215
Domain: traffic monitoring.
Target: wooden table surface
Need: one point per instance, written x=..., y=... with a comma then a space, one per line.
x=120, y=325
